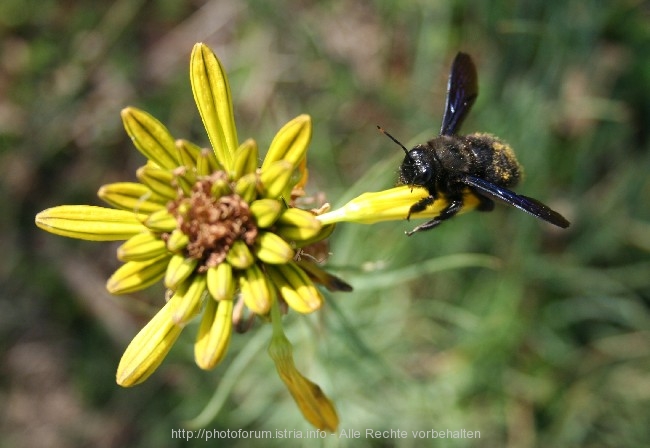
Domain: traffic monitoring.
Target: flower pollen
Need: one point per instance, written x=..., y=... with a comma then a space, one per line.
x=212, y=223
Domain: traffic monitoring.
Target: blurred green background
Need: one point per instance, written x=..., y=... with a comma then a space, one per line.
x=493, y=322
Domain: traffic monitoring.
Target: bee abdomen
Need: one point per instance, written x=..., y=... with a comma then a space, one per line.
x=496, y=158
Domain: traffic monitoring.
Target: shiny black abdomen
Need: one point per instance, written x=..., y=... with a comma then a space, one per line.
x=481, y=155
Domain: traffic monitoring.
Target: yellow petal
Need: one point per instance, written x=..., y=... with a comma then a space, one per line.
x=239, y=255
x=136, y=275
x=221, y=187
x=149, y=347
x=295, y=287
x=92, y=223
x=266, y=211
x=221, y=282
x=177, y=240
x=289, y=234
x=246, y=187
x=161, y=221
x=151, y=137
x=188, y=153
x=255, y=290
x=290, y=143
x=214, y=334
x=205, y=162
x=141, y=247
x=245, y=159
x=131, y=196
x=388, y=205
x=179, y=269
x=276, y=179
x=158, y=180
x=191, y=293
x=212, y=96
x=295, y=224
x=272, y=249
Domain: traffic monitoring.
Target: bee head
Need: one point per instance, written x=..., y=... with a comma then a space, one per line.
x=417, y=169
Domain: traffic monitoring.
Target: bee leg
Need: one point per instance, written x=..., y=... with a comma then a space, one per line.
x=420, y=205
x=454, y=207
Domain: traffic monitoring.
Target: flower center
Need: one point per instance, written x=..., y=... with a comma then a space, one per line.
x=212, y=223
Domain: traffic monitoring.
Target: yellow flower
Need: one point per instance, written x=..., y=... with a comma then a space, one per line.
x=211, y=224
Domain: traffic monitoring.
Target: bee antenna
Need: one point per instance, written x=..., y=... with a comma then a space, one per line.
x=383, y=131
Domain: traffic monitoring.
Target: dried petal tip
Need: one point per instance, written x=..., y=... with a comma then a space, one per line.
x=331, y=282
x=313, y=403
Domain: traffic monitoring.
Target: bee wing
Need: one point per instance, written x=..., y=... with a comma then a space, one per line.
x=462, y=90
x=529, y=205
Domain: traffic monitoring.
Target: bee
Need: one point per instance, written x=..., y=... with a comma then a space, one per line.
x=454, y=165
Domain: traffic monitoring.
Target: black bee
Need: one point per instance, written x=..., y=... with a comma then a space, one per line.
x=454, y=165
